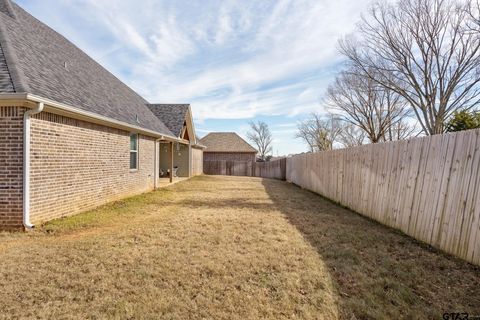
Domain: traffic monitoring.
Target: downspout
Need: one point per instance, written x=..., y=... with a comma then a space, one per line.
x=157, y=162
x=26, y=163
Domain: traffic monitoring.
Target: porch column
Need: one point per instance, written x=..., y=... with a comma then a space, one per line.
x=171, y=162
x=190, y=156
x=156, y=164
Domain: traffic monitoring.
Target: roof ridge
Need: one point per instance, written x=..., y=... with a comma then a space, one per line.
x=14, y=59
x=16, y=74
x=226, y=142
x=172, y=115
x=223, y=132
x=155, y=116
x=169, y=104
x=7, y=8
x=36, y=54
x=245, y=141
x=6, y=81
x=83, y=53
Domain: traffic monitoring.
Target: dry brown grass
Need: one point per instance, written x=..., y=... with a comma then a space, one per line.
x=227, y=248
x=378, y=272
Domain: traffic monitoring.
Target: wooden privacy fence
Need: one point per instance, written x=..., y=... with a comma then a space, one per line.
x=427, y=187
x=273, y=169
x=230, y=168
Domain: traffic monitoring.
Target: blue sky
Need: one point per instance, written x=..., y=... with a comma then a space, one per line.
x=234, y=61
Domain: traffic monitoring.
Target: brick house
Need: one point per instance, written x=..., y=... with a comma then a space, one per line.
x=227, y=146
x=72, y=135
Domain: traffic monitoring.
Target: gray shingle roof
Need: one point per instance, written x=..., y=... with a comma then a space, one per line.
x=42, y=62
x=6, y=84
x=172, y=115
x=6, y=8
x=225, y=142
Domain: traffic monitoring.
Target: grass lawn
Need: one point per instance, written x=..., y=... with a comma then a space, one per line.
x=228, y=248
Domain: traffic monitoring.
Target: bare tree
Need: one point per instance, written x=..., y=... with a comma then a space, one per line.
x=424, y=51
x=351, y=136
x=318, y=133
x=260, y=135
x=473, y=11
x=401, y=130
x=364, y=103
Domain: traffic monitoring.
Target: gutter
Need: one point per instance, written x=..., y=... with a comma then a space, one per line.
x=69, y=111
x=26, y=163
x=199, y=146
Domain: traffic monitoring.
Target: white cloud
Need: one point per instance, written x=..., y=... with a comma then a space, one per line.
x=230, y=59
x=183, y=51
x=286, y=125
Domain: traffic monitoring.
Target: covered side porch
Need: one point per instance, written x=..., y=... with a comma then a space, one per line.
x=178, y=157
x=175, y=160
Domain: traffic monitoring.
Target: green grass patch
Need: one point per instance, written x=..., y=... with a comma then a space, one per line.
x=109, y=213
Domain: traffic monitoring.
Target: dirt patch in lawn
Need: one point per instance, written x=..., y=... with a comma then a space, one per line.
x=228, y=248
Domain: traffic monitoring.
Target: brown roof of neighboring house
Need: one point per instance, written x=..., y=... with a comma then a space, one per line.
x=37, y=60
x=226, y=142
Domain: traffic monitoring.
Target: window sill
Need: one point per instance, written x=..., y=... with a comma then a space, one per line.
x=133, y=170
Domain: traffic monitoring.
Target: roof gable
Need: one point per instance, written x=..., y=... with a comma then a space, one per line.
x=42, y=62
x=172, y=115
x=226, y=142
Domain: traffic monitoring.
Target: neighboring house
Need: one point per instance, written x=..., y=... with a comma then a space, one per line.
x=227, y=146
x=73, y=136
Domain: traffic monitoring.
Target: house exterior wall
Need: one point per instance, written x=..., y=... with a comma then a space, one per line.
x=11, y=167
x=77, y=166
x=197, y=161
x=236, y=156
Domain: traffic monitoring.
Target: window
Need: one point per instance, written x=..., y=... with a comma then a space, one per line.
x=133, y=151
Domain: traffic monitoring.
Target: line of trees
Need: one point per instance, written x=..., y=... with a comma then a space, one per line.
x=411, y=68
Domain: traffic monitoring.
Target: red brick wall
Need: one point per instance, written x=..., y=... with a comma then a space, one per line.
x=76, y=166
x=11, y=167
x=239, y=156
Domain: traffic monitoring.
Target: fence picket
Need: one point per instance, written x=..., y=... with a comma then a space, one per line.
x=427, y=187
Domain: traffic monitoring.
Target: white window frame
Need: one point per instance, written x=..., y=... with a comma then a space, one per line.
x=133, y=151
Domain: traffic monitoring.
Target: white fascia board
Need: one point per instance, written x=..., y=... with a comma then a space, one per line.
x=67, y=110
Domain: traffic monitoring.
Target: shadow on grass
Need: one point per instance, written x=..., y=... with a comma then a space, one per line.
x=379, y=273
x=237, y=203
